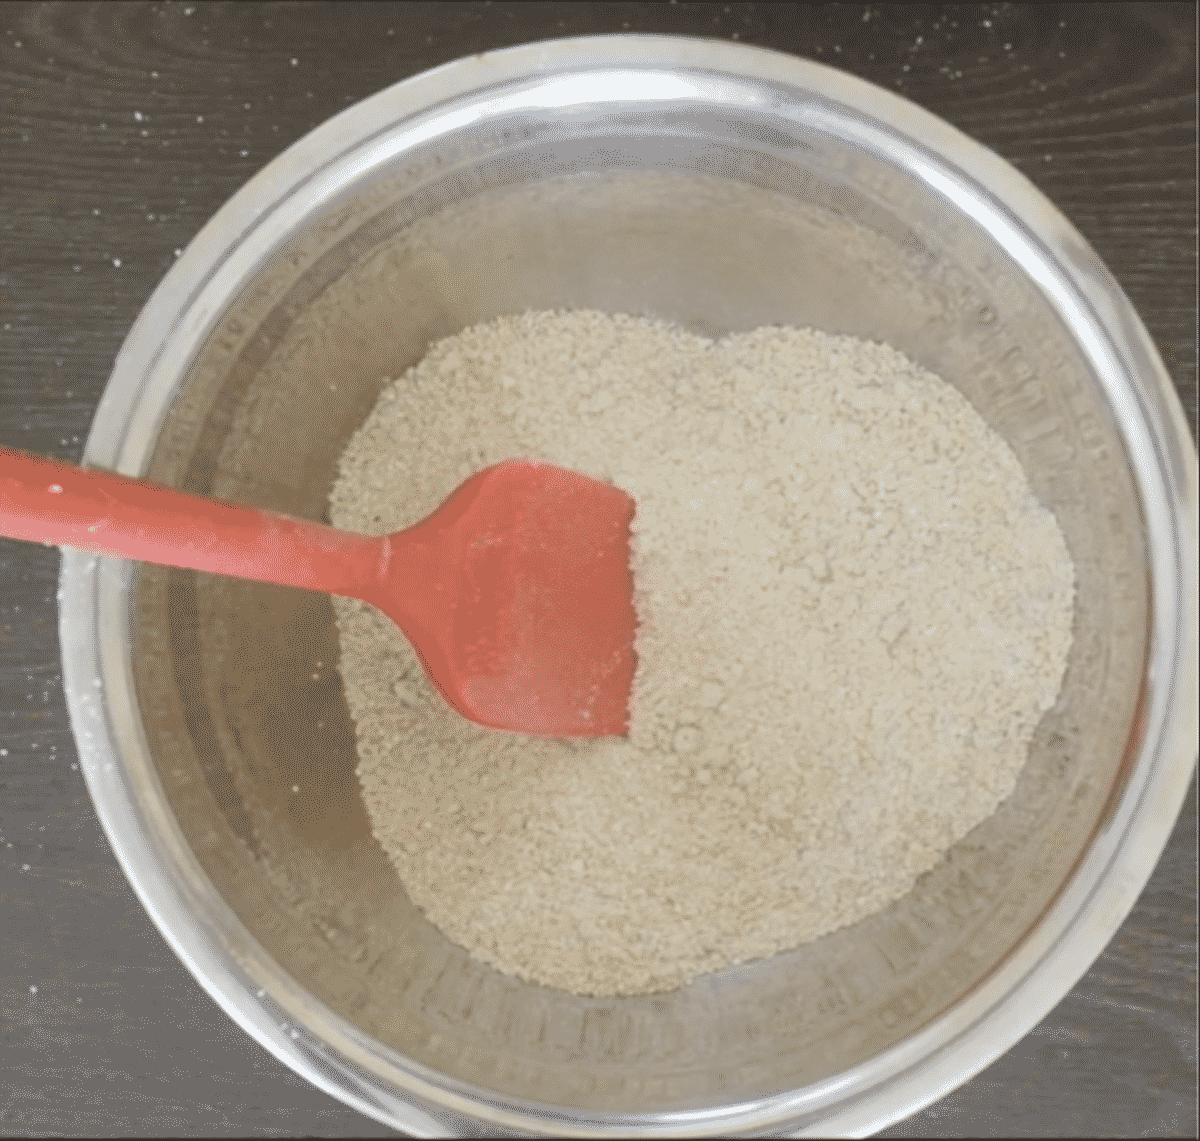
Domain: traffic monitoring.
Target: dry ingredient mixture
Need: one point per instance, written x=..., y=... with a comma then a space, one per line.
x=853, y=614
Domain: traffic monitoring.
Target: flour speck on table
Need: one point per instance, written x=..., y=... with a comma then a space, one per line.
x=853, y=612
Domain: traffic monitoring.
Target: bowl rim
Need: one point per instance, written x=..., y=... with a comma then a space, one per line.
x=1090, y=906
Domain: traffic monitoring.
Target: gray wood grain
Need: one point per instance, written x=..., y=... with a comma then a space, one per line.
x=1094, y=102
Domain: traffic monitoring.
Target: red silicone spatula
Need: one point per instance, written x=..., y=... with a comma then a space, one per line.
x=516, y=592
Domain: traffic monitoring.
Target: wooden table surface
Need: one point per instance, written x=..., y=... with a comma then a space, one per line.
x=124, y=126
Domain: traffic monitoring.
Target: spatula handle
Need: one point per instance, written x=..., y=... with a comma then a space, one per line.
x=45, y=501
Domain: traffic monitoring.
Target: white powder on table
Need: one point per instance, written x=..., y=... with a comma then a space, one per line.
x=853, y=613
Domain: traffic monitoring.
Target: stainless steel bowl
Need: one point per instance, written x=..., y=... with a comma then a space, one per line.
x=722, y=187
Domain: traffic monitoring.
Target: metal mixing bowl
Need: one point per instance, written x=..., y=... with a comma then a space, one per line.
x=724, y=188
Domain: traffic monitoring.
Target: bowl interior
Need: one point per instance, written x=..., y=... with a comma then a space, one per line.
x=719, y=226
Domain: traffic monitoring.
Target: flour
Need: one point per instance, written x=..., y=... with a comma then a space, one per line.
x=853, y=613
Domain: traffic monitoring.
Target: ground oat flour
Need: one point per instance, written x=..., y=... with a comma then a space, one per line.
x=853, y=614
